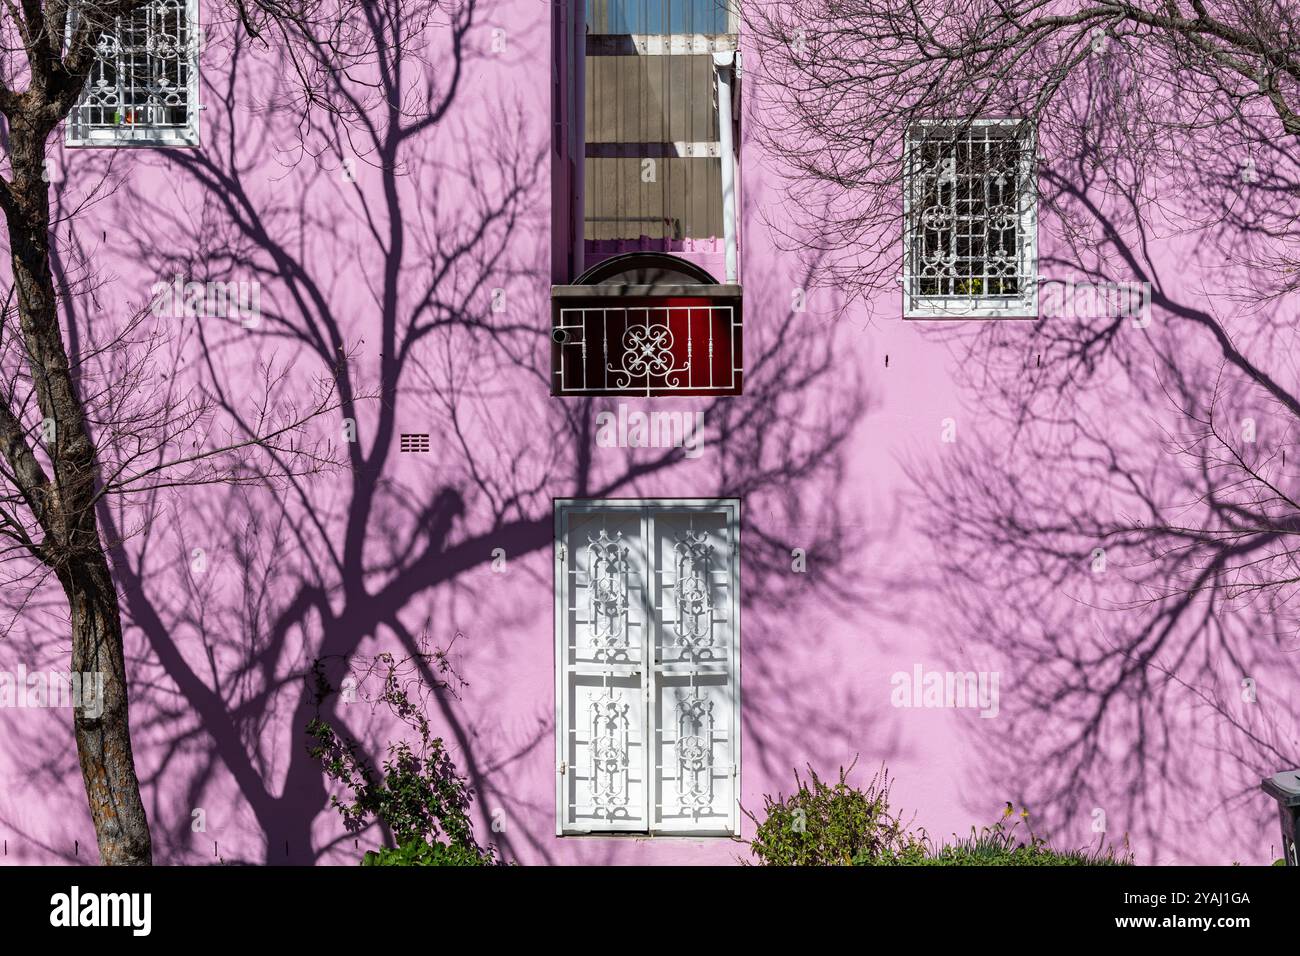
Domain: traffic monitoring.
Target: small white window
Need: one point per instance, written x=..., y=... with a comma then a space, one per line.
x=970, y=220
x=647, y=675
x=143, y=87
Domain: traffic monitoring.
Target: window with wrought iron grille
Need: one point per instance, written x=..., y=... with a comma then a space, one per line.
x=970, y=211
x=647, y=673
x=143, y=87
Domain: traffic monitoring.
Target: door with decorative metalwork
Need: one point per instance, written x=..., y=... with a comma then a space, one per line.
x=648, y=665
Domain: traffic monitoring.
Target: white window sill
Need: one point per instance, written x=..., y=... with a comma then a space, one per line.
x=958, y=308
x=139, y=138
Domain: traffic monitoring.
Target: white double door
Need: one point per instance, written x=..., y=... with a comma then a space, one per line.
x=648, y=665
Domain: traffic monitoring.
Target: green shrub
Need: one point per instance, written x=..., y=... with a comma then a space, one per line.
x=998, y=845
x=823, y=824
x=418, y=797
x=420, y=852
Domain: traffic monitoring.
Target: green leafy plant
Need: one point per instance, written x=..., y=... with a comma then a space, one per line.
x=416, y=796
x=418, y=852
x=997, y=845
x=828, y=824
x=835, y=824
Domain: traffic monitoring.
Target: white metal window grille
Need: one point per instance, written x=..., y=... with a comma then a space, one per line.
x=970, y=211
x=143, y=87
x=648, y=666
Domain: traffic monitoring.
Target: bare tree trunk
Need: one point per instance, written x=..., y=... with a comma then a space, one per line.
x=64, y=505
x=104, y=742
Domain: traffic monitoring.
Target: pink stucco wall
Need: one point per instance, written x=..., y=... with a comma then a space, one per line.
x=342, y=564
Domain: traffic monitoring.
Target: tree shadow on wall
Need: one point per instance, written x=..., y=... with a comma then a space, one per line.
x=1121, y=533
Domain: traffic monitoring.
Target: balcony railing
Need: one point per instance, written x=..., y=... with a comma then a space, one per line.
x=680, y=341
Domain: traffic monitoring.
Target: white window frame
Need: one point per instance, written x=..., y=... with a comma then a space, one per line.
x=646, y=507
x=146, y=136
x=1021, y=306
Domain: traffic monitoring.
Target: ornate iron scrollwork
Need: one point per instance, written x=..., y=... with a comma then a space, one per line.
x=141, y=74
x=648, y=353
x=694, y=592
x=607, y=591
x=609, y=754
x=695, y=753
x=966, y=229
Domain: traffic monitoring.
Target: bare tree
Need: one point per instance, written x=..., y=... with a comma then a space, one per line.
x=87, y=415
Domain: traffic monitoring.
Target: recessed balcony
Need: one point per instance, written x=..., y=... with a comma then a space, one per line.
x=646, y=331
